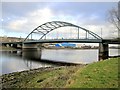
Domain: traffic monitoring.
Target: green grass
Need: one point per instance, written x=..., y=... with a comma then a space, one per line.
x=103, y=74
x=55, y=78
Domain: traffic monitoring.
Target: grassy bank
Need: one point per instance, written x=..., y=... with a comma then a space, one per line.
x=103, y=74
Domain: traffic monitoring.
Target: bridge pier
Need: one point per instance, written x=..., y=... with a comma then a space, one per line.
x=4, y=45
x=31, y=51
x=17, y=46
x=103, y=51
x=14, y=45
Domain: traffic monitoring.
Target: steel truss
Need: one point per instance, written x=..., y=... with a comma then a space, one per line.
x=46, y=28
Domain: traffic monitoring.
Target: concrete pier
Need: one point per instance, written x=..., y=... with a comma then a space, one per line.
x=31, y=51
x=103, y=51
x=31, y=46
x=14, y=45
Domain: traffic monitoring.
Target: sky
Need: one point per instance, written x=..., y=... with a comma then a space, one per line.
x=20, y=18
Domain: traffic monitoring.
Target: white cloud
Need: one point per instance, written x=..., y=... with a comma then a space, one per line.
x=2, y=20
x=93, y=17
x=18, y=24
x=30, y=21
x=106, y=30
x=40, y=16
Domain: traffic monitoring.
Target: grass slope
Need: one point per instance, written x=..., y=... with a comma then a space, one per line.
x=103, y=74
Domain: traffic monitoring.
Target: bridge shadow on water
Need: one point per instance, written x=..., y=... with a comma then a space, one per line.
x=35, y=55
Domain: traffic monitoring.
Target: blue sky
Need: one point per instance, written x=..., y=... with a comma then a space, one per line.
x=20, y=18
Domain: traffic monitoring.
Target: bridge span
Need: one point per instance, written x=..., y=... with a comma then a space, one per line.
x=107, y=41
x=44, y=29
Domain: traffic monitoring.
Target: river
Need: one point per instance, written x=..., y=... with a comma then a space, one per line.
x=14, y=61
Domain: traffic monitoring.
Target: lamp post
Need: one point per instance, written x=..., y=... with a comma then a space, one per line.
x=101, y=32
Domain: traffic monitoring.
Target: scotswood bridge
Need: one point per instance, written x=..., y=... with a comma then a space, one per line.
x=44, y=29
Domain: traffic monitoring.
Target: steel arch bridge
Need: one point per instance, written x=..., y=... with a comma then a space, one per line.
x=46, y=28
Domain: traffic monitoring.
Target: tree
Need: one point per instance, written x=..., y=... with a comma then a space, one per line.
x=114, y=16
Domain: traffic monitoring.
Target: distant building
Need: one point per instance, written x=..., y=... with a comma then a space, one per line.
x=65, y=45
x=10, y=39
x=78, y=45
x=86, y=47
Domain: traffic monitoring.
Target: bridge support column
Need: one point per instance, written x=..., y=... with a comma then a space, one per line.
x=103, y=51
x=31, y=51
x=19, y=46
x=4, y=45
x=14, y=45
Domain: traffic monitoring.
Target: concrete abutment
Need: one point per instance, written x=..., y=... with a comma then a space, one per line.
x=31, y=51
x=103, y=51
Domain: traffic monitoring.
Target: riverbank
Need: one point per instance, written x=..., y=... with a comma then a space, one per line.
x=55, y=48
x=103, y=74
x=3, y=48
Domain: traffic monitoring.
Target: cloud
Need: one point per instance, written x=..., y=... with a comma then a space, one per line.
x=37, y=17
x=17, y=24
x=105, y=30
x=26, y=23
x=30, y=21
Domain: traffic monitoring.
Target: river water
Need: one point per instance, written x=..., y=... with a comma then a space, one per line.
x=14, y=61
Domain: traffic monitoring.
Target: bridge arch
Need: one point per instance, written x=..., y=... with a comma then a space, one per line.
x=46, y=28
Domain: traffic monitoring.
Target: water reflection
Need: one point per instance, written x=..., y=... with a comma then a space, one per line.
x=12, y=52
x=13, y=61
x=31, y=54
x=28, y=55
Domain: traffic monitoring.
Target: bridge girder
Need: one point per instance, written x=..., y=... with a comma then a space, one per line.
x=46, y=28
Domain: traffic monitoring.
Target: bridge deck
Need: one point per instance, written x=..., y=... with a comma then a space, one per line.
x=108, y=41
x=66, y=40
